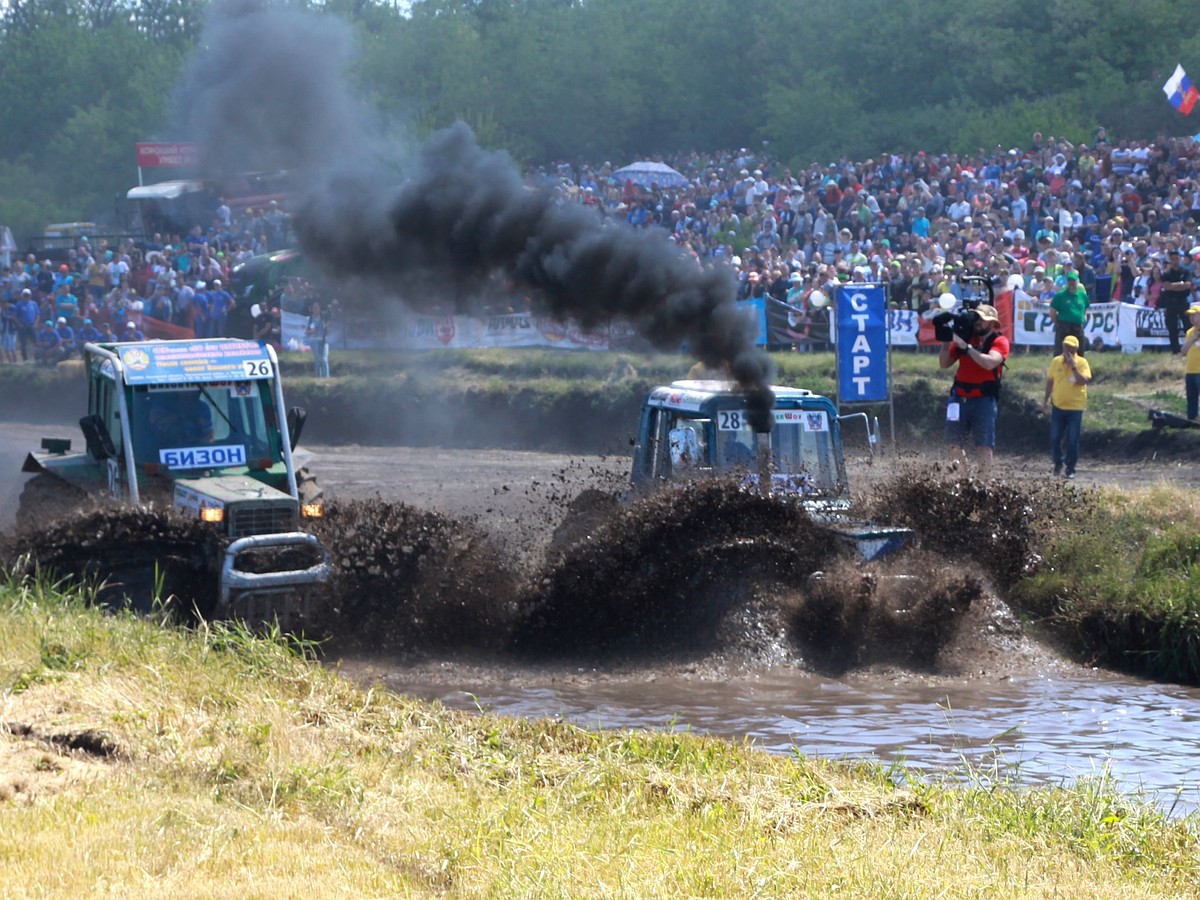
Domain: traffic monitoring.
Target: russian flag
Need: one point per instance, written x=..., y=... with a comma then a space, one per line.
x=1180, y=91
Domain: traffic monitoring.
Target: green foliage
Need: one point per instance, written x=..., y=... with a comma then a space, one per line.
x=610, y=79
x=613, y=78
x=1137, y=609
x=81, y=89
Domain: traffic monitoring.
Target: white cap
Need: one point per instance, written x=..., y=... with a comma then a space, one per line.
x=130, y=325
x=200, y=284
x=62, y=321
x=217, y=282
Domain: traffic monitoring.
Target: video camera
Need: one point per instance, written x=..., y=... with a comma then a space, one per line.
x=960, y=322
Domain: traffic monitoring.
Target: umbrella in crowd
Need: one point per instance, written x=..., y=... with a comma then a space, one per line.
x=645, y=174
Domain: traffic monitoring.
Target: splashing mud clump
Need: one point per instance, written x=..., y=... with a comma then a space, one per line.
x=996, y=527
x=659, y=576
x=413, y=581
x=136, y=553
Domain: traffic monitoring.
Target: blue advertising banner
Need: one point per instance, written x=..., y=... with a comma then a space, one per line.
x=862, y=344
x=195, y=361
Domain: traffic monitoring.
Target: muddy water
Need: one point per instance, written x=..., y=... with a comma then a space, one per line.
x=1044, y=725
x=1036, y=731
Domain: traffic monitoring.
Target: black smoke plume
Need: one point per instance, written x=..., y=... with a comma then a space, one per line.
x=272, y=74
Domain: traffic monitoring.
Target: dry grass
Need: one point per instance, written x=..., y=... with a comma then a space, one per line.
x=236, y=768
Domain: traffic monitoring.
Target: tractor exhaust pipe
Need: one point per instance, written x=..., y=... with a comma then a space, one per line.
x=762, y=455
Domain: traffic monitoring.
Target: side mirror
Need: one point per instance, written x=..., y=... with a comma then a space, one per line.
x=96, y=436
x=296, y=417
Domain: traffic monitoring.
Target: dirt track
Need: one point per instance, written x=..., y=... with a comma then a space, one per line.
x=519, y=497
x=503, y=486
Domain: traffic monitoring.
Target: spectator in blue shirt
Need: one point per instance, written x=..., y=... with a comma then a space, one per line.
x=220, y=303
x=201, y=322
x=8, y=331
x=66, y=337
x=27, y=317
x=46, y=349
x=920, y=224
x=89, y=333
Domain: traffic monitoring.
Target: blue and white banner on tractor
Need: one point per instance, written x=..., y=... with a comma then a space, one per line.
x=862, y=344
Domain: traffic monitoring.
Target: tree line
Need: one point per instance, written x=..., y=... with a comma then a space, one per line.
x=595, y=80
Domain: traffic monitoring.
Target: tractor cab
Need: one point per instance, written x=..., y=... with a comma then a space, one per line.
x=699, y=428
x=177, y=411
x=696, y=429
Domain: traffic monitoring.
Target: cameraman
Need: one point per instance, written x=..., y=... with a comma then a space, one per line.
x=975, y=396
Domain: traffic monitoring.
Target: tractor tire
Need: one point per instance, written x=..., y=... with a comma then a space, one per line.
x=585, y=515
x=47, y=498
x=135, y=557
x=152, y=579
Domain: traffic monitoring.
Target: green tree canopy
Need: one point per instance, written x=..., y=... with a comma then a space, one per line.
x=610, y=79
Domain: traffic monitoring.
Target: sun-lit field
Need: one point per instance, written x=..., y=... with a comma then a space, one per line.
x=136, y=759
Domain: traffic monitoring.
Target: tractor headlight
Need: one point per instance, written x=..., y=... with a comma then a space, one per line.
x=312, y=510
x=212, y=514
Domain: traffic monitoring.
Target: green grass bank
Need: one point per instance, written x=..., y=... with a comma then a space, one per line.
x=588, y=402
x=150, y=761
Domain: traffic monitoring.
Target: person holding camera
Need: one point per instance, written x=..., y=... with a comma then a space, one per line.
x=973, y=342
x=1065, y=400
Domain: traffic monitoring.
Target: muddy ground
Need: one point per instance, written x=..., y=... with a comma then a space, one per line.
x=518, y=499
x=461, y=540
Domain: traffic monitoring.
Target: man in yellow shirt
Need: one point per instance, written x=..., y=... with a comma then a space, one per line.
x=1191, y=369
x=1066, y=399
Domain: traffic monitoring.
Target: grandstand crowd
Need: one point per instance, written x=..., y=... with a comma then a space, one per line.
x=1111, y=212
x=164, y=286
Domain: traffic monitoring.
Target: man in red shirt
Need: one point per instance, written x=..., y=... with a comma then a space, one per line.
x=975, y=396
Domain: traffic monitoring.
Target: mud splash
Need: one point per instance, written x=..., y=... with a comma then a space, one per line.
x=412, y=581
x=702, y=570
x=989, y=527
x=125, y=553
x=659, y=576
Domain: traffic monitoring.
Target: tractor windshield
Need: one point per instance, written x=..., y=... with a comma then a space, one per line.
x=203, y=426
x=804, y=456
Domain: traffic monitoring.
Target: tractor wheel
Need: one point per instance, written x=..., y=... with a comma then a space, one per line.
x=140, y=556
x=585, y=514
x=47, y=498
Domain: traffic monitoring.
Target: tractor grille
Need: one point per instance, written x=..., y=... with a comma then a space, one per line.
x=260, y=517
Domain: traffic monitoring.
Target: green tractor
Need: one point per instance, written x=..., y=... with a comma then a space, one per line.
x=197, y=427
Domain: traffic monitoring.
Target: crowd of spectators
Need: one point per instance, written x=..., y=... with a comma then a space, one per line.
x=122, y=290
x=1110, y=211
